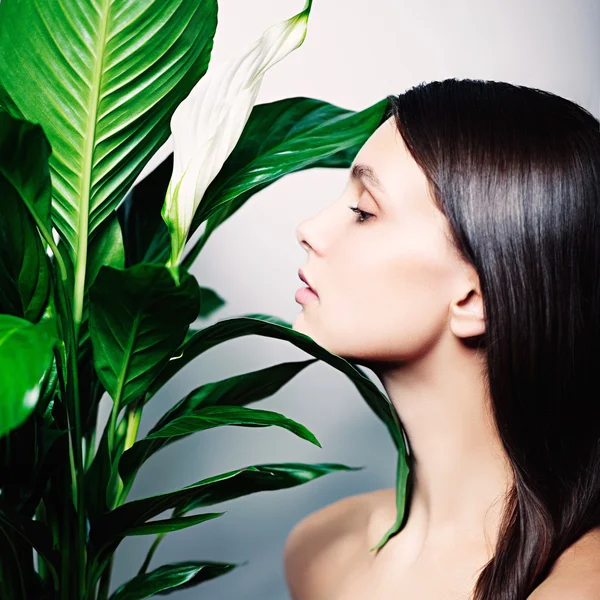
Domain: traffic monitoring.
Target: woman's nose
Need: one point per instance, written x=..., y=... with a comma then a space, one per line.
x=301, y=235
x=320, y=231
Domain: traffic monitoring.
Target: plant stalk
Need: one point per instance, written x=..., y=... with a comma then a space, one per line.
x=75, y=446
x=133, y=414
x=104, y=587
x=151, y=552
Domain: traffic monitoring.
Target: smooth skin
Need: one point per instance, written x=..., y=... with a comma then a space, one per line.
x=394, y=296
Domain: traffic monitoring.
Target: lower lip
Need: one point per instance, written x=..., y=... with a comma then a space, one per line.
x=305, y=295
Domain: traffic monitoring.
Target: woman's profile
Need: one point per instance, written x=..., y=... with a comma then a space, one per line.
x=461, y=264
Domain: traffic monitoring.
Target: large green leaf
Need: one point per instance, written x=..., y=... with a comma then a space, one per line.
x=25, y=355
x=173, y=577
x=234, y=391
x=138, y=318
x=103, y=79
x=281, y=137
x=220, y=488
x=268, y=326
x=103, y=554
x=198, y=341
x=218, y=416
x=145, y=233
x=25, y=193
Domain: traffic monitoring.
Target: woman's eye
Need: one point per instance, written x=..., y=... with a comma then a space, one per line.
x=362, y=215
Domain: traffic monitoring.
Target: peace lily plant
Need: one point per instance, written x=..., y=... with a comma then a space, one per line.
x=96, y=296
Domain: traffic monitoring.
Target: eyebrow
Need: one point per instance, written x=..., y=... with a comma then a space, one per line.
x=361, y=171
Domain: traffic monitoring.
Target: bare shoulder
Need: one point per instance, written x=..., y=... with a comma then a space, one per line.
x=576, y=574
x=330, y=541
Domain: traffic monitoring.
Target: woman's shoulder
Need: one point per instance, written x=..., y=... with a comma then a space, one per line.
x=334, y=538
x=576, y=573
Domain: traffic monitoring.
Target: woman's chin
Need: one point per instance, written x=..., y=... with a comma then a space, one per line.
x=299, y=324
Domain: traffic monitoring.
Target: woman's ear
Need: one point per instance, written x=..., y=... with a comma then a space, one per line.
x=466, y=314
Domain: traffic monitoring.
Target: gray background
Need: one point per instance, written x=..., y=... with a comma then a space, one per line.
x=354, y=54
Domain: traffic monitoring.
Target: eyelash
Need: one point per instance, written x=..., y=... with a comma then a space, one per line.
x=362, y=215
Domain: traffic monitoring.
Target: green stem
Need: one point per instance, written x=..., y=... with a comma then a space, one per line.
x=70, y=334
x=104, y=587
x=90, y=450
x=191, y=256
x=112, y=427
x=150, y=554
x=133, y=414
x=40, y=515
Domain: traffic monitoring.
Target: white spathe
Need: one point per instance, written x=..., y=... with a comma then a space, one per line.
x=208, y=123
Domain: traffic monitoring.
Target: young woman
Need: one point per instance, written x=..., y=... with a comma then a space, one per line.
x=469, y=282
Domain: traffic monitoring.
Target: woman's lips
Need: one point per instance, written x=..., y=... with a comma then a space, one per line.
x=304, y=295
x=303, y=278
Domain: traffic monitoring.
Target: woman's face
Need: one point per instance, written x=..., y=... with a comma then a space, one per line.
x=384, y=285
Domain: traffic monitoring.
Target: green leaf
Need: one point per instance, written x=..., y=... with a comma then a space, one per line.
x=103, y=79
x=234, y=391
x=402, y=471
x=169, y=525
x=198, y=341
x=25, y=192
x=34, y=533
x=210, y=302
x=269, y=326
x=174, y=577
x=282, y=137
x=25, y=355
x=207, y=125
x=145, y=234
x=220, y=488
x=138, y=318
x=102, y=555
x=105, y=248
x=25, y=153
x=97, y=479
x=217, y=416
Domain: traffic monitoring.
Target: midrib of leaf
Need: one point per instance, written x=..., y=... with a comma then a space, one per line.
x=127, y=362
x=122, y=377
x=87, y=163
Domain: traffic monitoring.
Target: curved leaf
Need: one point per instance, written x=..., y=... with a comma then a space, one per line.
x=218, y=416
x=103, y=79
x=234, y=391
x=25, y=191
x=210, y=302
x=269, y=326
x=102, y=556
x=138, y=318
x=169, y=525
x=25, y=355
x=279, y=137
x=145, y=234
x=208, y=123
x=402, y=471
x=199, y=341
x=173, y=577
x=226, y=486
x=282, y=137
x=34, y=533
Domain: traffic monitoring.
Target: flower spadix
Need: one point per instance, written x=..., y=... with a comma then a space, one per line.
x=209, y=121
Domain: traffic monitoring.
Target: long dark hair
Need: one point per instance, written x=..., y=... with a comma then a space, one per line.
x=516, y=171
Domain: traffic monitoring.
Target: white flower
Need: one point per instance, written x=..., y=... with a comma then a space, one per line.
x=207, y=125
